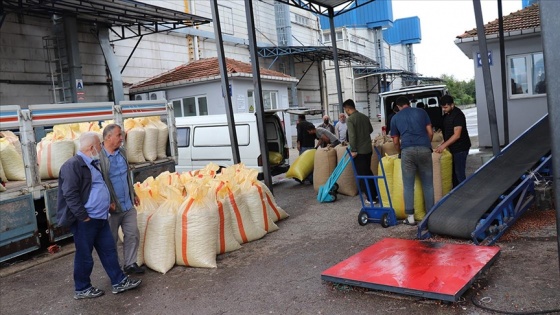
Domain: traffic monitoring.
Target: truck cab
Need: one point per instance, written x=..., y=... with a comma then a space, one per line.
x=428, y=95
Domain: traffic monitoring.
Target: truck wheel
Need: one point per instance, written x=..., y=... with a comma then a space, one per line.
x=362, y=218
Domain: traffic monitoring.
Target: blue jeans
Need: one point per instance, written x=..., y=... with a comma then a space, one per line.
x=459, y=166
x=417, y=160
x=89, y=235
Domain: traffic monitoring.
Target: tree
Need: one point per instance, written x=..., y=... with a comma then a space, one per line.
x=462, y=91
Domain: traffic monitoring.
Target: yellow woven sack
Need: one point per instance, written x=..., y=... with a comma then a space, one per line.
x=388, y=164
x=275, y=158
x=446, y=163
x=303, y=165
x=397, y=194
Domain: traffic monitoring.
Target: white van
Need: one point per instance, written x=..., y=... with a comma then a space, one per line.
x=427, y=94
x=205, y=139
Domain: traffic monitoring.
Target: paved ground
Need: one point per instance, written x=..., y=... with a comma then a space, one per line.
x=280, y=274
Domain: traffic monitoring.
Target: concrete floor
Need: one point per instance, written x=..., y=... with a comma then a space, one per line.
x=280, y=273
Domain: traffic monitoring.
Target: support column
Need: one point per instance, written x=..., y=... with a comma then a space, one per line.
x=112, y=64
x=258, y=92
x=225, y=82
x=335, y=56
x=74, y=61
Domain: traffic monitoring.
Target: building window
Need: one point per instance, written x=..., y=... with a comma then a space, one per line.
x=526, y=75
x=190, y=106
x=327, y=36
x=226, y=19
x=270, y=100
x=302, y=20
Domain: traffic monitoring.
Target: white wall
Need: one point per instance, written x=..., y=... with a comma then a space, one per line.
x=522, y=112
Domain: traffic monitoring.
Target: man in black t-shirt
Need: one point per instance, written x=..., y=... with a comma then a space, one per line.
x=456, y=138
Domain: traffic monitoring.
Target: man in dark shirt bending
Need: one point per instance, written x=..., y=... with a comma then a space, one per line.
x=456, y=138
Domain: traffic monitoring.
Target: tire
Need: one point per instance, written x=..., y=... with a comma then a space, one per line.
x=335, y=187
x=362, y=218
x=333, y=194
x=385, y=220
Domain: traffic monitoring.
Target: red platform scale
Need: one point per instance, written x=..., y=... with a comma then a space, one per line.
x=425, y=269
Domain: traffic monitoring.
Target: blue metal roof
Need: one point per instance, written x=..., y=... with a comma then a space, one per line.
x=404, y=31
x=378, y=13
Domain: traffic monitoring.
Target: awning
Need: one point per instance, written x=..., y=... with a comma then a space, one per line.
x=322, y=6
x=314, y=53
x=369, y=71
x=128, y=15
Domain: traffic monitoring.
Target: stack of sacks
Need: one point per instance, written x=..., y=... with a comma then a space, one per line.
x=188, y=219
x=442, y=169
x=13, y=139
x=53, y=150
x=347, y=180
x=443, y=173
x=159, y=235
x=151, y=137
x=134, y=143
x=150, y=200
x=73, y=132
x=324, y=165
x=196, y=226
x=163, y=134
x=437, y=139
x=303, y=165
x=384, y=144
x=11, y=160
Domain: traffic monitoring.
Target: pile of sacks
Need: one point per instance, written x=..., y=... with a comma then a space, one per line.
x=442, y=176
x=11, y=160
x=323, y=161
x=146, y=140
x=189, y=218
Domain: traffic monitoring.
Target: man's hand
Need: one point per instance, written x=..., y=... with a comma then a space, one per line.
x=112, y=207
x=440, y=148
x=354, y=154
x=136, y=201
x=87, y=219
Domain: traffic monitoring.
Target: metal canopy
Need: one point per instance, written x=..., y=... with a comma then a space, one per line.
x=322, y=6
x=124, y=14
x=378, y=71
x=314, y=53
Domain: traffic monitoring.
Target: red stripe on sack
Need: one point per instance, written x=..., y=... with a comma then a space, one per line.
x=238, y=217
x=263, y=206
x=272, y=206
x=184, y=232
x=222, y=228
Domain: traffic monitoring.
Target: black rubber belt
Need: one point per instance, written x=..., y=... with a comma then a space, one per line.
x=459, y=214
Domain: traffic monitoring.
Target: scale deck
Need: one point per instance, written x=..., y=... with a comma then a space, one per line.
x=425, y=269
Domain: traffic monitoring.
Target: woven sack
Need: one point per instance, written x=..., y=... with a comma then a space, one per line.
x=324, y=165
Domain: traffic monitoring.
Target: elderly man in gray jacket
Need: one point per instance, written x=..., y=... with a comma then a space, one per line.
x=115, y=168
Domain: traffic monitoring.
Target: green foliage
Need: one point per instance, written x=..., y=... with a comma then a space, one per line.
x=463, y=92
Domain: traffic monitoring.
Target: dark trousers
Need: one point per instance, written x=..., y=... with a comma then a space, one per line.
x=459, y=167
x=96, y=234
x=363, y=168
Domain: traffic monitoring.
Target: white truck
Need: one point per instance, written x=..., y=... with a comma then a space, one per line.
x=28, y=208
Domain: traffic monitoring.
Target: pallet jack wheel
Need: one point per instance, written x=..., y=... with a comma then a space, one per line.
x=335, y=187
x=385, y=220
x=333, y=194
x=362, y=218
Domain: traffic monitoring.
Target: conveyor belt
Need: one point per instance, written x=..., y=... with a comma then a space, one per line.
x=459, y=212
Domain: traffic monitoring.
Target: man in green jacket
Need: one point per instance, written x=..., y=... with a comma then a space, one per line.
x=359, y=131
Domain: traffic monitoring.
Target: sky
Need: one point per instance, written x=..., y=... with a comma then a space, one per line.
x=441, y=21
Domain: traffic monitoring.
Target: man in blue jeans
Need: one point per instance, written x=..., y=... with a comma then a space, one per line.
x=114, y=166
x=83, y=205
x=412, y=134
x=456, y=138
